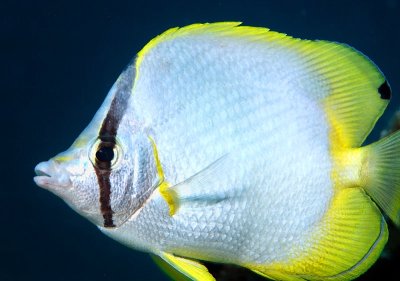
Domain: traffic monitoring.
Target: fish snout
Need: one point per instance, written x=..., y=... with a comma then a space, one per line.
x=50, y=175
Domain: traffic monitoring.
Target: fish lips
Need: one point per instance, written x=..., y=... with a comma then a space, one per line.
x=49, y=176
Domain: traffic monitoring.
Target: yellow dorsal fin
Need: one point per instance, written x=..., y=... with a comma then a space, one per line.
x=347, y=242
x=182, y=268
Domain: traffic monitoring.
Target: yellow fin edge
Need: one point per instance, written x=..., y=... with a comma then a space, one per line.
x=221, y=28
x=179, y=31
x=165, y=191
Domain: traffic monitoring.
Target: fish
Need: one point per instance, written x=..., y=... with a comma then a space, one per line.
x=239, y=145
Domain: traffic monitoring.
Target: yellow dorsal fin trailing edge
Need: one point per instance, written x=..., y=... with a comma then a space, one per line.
x=358, y=96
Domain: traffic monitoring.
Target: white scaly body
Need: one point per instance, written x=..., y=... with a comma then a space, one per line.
x=232, y=98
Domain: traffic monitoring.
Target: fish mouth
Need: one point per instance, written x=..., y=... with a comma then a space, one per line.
x=50, y=176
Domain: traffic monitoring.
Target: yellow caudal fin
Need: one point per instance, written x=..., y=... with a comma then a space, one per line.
x=380, y=174
x=343, y=246
x=182, y=269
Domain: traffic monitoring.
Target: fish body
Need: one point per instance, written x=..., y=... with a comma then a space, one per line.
x=239, y=145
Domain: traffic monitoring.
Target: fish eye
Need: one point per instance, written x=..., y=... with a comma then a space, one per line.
x=104, y=155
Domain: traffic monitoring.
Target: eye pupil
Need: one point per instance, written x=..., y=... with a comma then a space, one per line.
x=105, y=154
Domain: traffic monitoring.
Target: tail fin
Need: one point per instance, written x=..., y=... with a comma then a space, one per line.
x=382, y=175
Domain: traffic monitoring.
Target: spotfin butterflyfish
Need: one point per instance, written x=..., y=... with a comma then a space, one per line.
x=239, y=145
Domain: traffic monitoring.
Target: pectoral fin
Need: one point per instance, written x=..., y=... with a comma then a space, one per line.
x=182, y=269
x=201, y=189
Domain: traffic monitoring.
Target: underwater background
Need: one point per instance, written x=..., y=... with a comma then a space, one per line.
x=58, y=61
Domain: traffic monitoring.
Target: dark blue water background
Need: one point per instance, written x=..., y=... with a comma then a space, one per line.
x=58, y=61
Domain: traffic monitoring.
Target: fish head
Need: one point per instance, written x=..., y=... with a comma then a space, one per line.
x=110, y=170
x=71, y=176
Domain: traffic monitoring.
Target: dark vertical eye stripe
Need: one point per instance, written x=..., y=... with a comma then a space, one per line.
x=103, y=178
x=107, y=135
x=118, y=106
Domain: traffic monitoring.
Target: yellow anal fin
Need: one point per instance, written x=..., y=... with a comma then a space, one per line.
x=347, y=242
x=182, y=269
